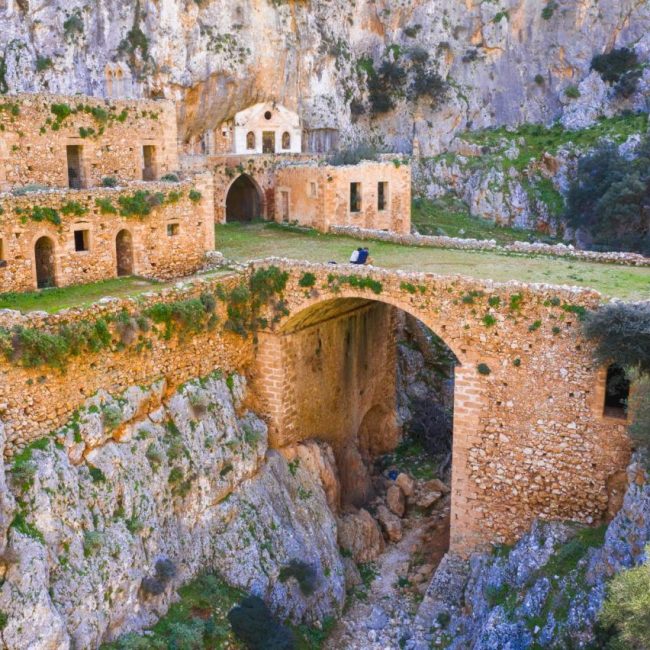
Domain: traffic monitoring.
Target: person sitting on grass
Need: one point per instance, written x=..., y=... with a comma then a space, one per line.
x=364, y=256
x=354, y=258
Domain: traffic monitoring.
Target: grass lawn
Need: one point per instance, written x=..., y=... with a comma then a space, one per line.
x=449, y=216
x=244, y=242
x=52, y=300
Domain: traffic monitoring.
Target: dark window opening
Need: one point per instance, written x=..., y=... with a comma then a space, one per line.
x=149, y=162
x=268, y=115
x=617, y=392
x=355, y=197
x=81, y=240
x=286, y=140
x=268, y=142
x=124, y=253
x=3, y=261
x=44, y=258
x=75, y=177
x=244, y=200
x=285, y=205
x=250, y=140
x=172, y=229
x=382, y=195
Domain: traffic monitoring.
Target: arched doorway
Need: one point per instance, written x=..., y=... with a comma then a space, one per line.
x=124, y=253
x=244, y=200
x=44, y=259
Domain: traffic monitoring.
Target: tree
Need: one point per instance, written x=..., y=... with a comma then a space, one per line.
x=610, y=198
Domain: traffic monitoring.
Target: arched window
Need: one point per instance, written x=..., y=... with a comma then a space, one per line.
x=250, y=140
x=617, y=392
x=286, y=140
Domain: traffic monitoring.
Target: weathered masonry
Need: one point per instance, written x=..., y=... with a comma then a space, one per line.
x=531, y=437
x=368, y=195
x=59, y=238
x=75, y=142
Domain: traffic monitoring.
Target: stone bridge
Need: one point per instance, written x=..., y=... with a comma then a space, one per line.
x=530, y=438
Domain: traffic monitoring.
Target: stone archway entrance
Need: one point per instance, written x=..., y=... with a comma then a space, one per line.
x=124, y=253
x=244, y=200
x=44, y=260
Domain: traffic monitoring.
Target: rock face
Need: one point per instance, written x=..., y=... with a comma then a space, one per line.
x=106, y=530
x=544, y=592
x=507, y=60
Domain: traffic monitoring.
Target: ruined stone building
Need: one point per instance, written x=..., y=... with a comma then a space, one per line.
x=82, y=199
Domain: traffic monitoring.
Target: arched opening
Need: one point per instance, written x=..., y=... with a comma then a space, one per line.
x=244, y=200
x=124, y=253
x=376, y=385
x=44, y=260
x=617, y=392
x=286, y=140
x=250, y=141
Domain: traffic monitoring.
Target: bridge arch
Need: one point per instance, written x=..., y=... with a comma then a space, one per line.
x=527, y=440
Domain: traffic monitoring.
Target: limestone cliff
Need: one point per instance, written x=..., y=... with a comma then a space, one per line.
x=139, y=494
x=507, y=61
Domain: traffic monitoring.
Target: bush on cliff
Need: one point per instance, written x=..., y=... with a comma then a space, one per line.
x=254, y=624
x=610, y=198
x=627, y=607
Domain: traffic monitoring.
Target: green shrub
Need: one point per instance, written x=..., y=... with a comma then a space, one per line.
x=105, y=206
x=535, y=326
x=304, y=573
x=254, y=624
x=74, y=208
x=549, y=10
x=627, y=605
x=170, y=178
x=572, y=92
x=20, y=523
x=140, y=203
x=539, y=79
x=73, y=25
x=489, y=320
x=39, y=214
x=608, y=195
x=109, y=181
x=111, y=416
x=93, y=541
x=483, y=369
x=43, y=63
x=97, y=475
x=307, y=280
x=619, y=67
x=621, y=332
x=61, y=111
x=195, y=196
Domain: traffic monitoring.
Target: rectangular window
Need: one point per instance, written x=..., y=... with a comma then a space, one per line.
x=355, y=197
x=81, y=240
x=268, y=142
x=382, y=195
x=172, y=229
x=312, y=190
x=75, y=175
x=149, y=163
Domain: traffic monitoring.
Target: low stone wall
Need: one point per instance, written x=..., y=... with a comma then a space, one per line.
x=524, y=248
x=76, y=236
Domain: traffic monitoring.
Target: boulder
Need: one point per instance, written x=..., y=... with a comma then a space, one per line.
x=426, y=498
x=405, y=483
x=351, y=573
x=391, y=524
x=395, y=500
x=437, y=486
x=359, y=534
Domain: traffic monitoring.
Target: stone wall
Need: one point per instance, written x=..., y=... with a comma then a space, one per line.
x=36, y=131
x=169, y=242
x=320, y=196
